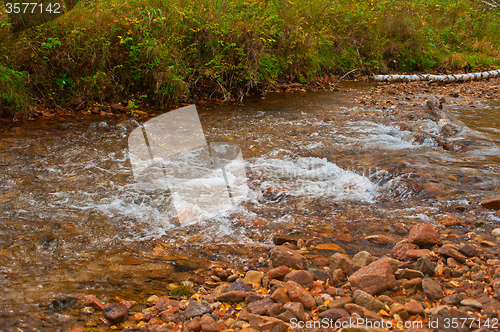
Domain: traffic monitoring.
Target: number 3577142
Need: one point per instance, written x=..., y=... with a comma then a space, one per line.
x=32, y=7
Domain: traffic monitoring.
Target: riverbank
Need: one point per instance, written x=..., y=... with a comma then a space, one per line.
x=438, y=278
x=150, y=53
x=72, y=225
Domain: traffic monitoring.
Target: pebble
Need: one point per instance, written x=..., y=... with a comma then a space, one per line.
x=471, y=303
x=253, y=277
x=244, y=304
x=115, y=312
x=302, y=277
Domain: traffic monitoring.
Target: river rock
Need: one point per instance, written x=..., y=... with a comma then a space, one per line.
x=338, y=277
x=442, y=317
x=448, y=250
x=471, y=303
x=115, y=312
x=408, y=274
x=400, y=249
x=424, y=235
x=367, y=300
x=374, y=278
x=282, y=255
x=239, y=285
x=280, y=296
x=417, y=253
x=363, y=312
x=425, y=266
x=448, y=221
x=340, y=261
x=393, y=262
x=432, y=289
x=278, y=272
x=263, y=322
x=195, y=308
x=194, y=326
x=208, y=324
x=298, y=294
x=340, y=302
x=412, y=283
x=496, y=232
x=265, y=306
x=334, y=314
x=453, y=299
x=232, y=296
x=165, y=303
x=253, y=277
x=362, y=258
x=380, y=239
x=414, y=308
x=302, y=277
x=468, y=250
x=297, y=309
x=94, y=302
x=286, y=316
x=492, y=204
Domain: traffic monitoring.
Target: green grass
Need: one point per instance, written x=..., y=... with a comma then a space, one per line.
x=111, y=50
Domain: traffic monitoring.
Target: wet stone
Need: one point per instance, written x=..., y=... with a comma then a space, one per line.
x=208, y=324
x=366, y=300
x=232, y=296
x=278, y=272
x=408, y=274
x=492, y=204
x=280, y=296
x=453, y=299
x=194, y=326
x=302, y=277
x=340, y=302
x=432, y=289
x=449, y=251
x=282, y=255
x=265, y=306
x=425, y=266
x=362, y=258
x=471, y=303
x=344, y=263
x=115, y=312
x=195, y=308
x=468, y=250
x=253, y=277
x=94, y=302
x=414, y=308
x=374, y=278
x=423, y=235
x=298, y=294
x=400, y=249
x=334, y=314
x=297, y=309
x=241, y=286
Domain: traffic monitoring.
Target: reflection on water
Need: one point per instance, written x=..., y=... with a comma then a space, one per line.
x=74, y=221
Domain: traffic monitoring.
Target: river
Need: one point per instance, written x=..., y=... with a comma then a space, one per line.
x=319, y=167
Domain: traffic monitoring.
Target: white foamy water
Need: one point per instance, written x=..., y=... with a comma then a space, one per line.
x=315, y=178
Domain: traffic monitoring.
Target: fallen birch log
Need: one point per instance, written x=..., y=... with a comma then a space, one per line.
x=438, y=78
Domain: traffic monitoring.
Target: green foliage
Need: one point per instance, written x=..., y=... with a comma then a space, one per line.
x=170, y=50
x=14, y=95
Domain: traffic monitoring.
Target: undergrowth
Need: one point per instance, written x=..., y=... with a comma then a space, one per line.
x=168, y=51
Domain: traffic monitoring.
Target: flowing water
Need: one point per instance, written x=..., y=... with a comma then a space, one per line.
x=73, y=222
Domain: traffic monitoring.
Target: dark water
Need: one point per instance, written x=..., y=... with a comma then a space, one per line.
x=72, y=221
